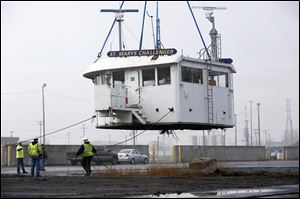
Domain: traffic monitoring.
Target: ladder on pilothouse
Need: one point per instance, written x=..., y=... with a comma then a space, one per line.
x=210, y=104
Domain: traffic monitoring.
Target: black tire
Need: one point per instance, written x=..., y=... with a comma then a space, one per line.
x=132, y=161
x=145, y=161
x=114, y=161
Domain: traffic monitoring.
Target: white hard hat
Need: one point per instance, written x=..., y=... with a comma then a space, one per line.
x=85, y=139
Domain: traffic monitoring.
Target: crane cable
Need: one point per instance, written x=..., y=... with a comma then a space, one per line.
x=90, y=118
x=94, y=168
x=170, y=110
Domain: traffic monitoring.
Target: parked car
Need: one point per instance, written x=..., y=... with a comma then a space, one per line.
x=132, y=156
x=100, y=157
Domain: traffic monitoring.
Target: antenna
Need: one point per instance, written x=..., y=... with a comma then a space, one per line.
x=209, y=8
x=152, y=27
x=119, y=18
x=215, y=45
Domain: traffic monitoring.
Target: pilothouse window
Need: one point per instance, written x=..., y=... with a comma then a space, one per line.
x=192, y=75
x=217, y=78
x=164, y=76
x=99, y=80
x=149, y=77
x=118, y=76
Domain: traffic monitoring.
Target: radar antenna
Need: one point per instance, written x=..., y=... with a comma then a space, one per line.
x=119, y=18
x=215, y=45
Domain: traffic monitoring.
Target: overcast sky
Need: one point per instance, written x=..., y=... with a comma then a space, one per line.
x=55, y=42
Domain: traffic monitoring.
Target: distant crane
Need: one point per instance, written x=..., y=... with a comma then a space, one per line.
x=215, y=45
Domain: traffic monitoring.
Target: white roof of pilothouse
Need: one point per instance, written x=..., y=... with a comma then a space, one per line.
x=106, y=64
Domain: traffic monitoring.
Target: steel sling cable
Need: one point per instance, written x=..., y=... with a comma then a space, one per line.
x=90, y=118
x=140, y=132
x=170, y=110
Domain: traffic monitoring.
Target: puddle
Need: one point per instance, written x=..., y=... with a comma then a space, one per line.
x=244, y=191
x=212, y=194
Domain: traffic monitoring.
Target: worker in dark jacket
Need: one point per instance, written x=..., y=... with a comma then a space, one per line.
x=43, y=158
x=86, y=151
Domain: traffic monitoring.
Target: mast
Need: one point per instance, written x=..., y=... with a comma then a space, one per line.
x=214, y=36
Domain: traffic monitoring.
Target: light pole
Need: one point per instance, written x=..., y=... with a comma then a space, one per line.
x=40, y=123
x=266, y=138
x=44, y=85
x=258, y=104
x=68, y=134
x=83, y=130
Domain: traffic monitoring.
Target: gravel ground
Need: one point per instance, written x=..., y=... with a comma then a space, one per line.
x=13, y=186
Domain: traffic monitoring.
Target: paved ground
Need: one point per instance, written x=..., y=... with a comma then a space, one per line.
x=119, y=187
x=273, y=166
x=67, y=181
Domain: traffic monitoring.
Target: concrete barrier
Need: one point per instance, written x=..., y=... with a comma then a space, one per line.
x=180, y=153
x=291, y=152
x=57, y=153
x=185, y=153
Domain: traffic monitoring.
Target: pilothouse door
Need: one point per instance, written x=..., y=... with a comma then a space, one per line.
x=132, y=86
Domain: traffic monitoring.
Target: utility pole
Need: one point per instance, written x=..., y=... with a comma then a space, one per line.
x=289, y=126
x=203, y=136
x=224, y=137
x=246, y=128
x=68, y=134
x=251, y=122
x=11, y=133
x=266, y=138
x=256, y=135
x=157, y=151
x=258, y=104
x=133, y=134
x=44, y=136
x=164, y=147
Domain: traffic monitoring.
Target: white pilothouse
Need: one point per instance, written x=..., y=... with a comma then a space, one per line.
x=157, y=89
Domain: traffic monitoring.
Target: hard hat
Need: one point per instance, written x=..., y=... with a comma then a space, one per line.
x=36, y=138
x=85, y=139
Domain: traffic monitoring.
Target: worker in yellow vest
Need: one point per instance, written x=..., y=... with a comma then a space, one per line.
x=35, y=152
x=86, y=151
x=20, y=158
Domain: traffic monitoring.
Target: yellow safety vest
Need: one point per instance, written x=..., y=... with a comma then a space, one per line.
x=19, y=154
x=34, y=150
x=88, y=150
